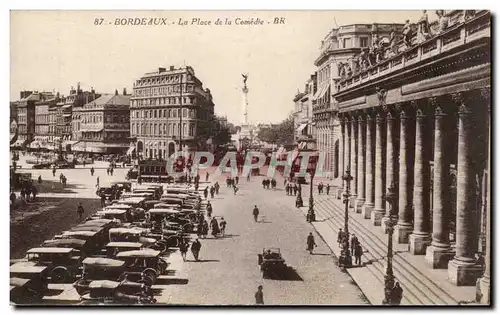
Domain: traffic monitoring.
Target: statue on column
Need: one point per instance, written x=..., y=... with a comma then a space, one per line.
x=245, y=78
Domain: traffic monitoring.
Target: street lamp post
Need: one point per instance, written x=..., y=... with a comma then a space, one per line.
x=391, y=198
x=299, y=202
x=345, y=255
x=311, y=216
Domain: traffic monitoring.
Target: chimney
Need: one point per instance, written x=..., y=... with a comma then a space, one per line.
x=116, y=92
x=172, y=68
x=160, y=70
x=124, y=91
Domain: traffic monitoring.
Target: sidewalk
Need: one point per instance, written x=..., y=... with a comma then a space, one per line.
x=422, y=285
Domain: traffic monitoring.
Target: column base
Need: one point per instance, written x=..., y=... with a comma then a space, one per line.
x=463, y=273
x=418, y=243
x=366, y=210
x=376, y=217
x=352, y=199
x=358, y=204
x=483, y=291
x=338, y=193
x=383, y=223
x=438, y=257
x=402, y=233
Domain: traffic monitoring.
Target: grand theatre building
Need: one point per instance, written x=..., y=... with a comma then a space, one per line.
x=420, y=120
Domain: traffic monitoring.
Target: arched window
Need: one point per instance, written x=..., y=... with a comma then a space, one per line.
x=151, y=130
x=154, y=129
x=169, y=113
x=133, y=128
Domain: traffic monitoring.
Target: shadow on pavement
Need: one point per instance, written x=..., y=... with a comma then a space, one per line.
x=204, y=260
x=320, y=254
x=286, y=274
x=53, y=292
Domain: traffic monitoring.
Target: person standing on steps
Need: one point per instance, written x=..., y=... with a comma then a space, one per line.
x=358, y=252
x=340, y=237
x=207, y=176
x=259, y=296
x=327, y=189
x=354, y=241
x=255, y=213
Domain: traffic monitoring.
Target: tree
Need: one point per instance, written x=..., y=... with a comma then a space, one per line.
x=281, y=133
x=221, y=134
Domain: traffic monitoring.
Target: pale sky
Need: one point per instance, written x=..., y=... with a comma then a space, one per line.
x=53, y=50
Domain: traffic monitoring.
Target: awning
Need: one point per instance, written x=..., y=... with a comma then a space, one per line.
x=301, y=127
x=66, y=106
x=91, y=130
x=66, y=115
x=321, y=92
x=80, y=146
x=302, y=145
x=35, y=145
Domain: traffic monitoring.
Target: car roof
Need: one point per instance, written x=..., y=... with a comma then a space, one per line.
x=50, y=250
x=131, y=200
x=126, y=230
x=118, y=206
x=91, y=228
x=163, y=210
x=97, y=222
x=100, y=261
x=165, y=205
x=83, y=233
x=124, y=244
x=112, y=211
x=103, y=284
x=139, y=253
x=66, y=241
x=27, y=267
x=18, y=282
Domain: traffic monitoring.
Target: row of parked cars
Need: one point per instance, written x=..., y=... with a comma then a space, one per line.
x=117, y=254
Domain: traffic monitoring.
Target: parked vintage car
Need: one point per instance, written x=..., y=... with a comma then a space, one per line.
x=108, y=191
x=271, y=261
x=63, y=263
x=42, y=165
x=135, y=202
x=147, y=195
x=113, y=248
x=125, y=186
x=113, y=292
x=147, y=261
x=27, y=291
x=83, y=247
x=97, y=238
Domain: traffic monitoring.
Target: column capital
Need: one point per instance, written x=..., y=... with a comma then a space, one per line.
x=380, y=117
x=440, y=111
x=433, y=101
x=464, y=110
x=485, y=93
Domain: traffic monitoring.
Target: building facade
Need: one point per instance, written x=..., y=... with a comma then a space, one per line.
x=424, y=127
x=26, y=117
x=339, y=51
x=169, y=107
x=63, y=114
x=102, y=125
x=42, y=139
x=303, y=116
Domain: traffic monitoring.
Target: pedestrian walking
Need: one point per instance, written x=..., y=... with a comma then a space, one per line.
x=340, y=237
x=34, y=191
x=397, y=294
x=215, y=227
x=139, y=180
x=92, y=171
x=235, y=189
x=39, y=179
x=61, y=178
x=248, y=177
x=209, y=209
x=295, y=188
x=287, y=189
x=111, y=171
x=205, y=192
x=80, y=212
x=195, y=249
x=107, y=171
x=259, y=296
x=103, y=200
x=358, y=252
x=320, y=188
x=327, y=189
x=212, y=192
x=28, y=193
x=183, y=248
x=64, y=181
x=205, y=229
x=54, y=172
x=207, y=175
x=255, y=213
x=199, y=229
x=12, y=197
x=310, y=243
x=97, y=180
x=217, y=186
x=222, y=225
x=354, y=242
x=237, y=180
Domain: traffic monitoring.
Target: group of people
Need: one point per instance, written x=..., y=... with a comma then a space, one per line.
x=292, y=189
x=28, y=193
x=195, y=248
x=321, y=186
x=232, y=182
x=268, y=182
x=217, y=228
x=355, y=247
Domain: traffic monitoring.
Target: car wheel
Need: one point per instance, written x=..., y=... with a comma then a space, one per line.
x=60, y=275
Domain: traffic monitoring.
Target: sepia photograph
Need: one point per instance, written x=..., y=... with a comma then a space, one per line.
x=250, y=158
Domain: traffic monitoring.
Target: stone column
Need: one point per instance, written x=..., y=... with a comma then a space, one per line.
x=483, y=284
x=370, y=171
x=354, y=165
x=390, y=163
x=439, y=253
x=420, y=238
x=360, y=200
x=347, y=156
x=462, y=270
x=341, y=156
x=379, y=208
x=404, y=226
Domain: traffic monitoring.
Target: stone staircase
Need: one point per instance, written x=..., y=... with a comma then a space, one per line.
x=422, y=285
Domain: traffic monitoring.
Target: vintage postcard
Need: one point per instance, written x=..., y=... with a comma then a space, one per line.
x=250, y=158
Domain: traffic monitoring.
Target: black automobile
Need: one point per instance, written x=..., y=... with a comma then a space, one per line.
x=63, y=165
x=108, y=192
